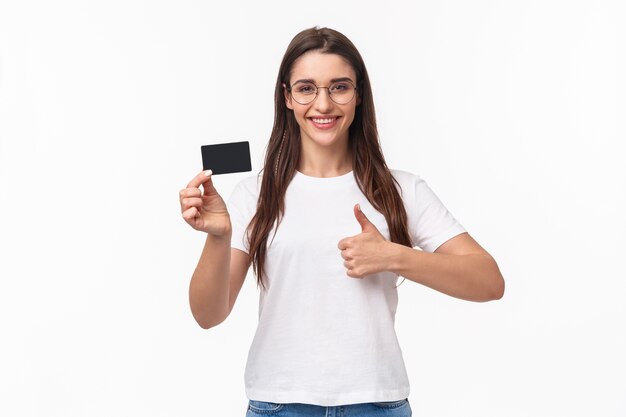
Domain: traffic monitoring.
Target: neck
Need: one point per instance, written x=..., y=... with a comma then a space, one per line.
x=325, y=161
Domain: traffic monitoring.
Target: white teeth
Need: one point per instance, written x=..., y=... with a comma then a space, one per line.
x=323, y=121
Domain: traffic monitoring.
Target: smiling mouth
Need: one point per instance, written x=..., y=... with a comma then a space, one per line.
x=323, y=121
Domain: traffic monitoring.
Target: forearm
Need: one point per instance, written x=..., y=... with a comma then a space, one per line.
x=473, y=277
x=209, y=287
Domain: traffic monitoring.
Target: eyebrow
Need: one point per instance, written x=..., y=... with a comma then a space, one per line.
x=334, y=80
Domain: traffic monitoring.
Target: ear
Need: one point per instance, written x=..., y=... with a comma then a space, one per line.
x=287, y=97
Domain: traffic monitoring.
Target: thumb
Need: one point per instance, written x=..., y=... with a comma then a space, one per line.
x=365, y=223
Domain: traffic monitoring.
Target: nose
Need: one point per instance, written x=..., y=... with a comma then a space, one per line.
x=323, y=102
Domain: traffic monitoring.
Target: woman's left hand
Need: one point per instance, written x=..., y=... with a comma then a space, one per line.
x=366, y=253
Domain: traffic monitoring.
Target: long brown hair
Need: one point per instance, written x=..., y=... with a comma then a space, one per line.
x=283, y=150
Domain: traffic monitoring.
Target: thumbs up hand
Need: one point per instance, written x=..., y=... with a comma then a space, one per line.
x=366, y=253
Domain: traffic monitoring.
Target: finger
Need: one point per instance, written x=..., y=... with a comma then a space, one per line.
x=208, y=188
x=352, y=274
x=191, y=202
x=201, y=178
x=190, y=214
x=362, y=218
x=189, y=192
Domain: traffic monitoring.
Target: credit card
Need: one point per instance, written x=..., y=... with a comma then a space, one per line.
x=226, y=158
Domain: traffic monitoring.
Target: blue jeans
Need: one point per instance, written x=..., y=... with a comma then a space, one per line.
x=399, y=408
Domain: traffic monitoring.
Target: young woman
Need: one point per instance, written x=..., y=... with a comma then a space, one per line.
x=328, y=229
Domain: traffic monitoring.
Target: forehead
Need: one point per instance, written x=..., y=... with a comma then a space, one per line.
x=321, y=67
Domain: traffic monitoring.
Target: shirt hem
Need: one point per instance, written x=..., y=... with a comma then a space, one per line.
x=327, y=399
x=443, y=237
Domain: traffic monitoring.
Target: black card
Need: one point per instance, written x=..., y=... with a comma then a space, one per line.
x=226, y=158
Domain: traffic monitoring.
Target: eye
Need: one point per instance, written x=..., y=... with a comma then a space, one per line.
x=340, y=87
x=305, y=88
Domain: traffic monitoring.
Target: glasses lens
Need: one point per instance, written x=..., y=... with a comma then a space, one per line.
x=303, y=93
x=341, y=92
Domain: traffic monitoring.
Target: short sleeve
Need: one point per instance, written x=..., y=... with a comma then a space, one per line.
x=241, y=207
x=430, y=223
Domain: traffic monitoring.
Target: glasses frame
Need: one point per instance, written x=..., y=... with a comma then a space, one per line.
x=330, y=95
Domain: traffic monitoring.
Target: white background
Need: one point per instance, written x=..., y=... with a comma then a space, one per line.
x=513, y=112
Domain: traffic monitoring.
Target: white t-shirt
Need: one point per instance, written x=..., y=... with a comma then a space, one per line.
x=323, y=337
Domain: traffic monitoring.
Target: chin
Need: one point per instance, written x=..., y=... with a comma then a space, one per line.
x=325, y=140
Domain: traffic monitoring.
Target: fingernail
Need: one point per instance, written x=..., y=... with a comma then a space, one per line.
x=208, y=172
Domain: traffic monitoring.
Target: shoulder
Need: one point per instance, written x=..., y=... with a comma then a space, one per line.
x=246, y=190
x=405, y=176
x=250, y=184
x=407, y=181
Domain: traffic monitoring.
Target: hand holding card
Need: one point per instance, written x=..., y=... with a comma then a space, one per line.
x=226, y=158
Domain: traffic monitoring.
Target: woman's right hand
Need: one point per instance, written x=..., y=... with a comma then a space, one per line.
x=205, y=211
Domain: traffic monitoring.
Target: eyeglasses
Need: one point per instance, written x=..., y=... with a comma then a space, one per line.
x=304, y=92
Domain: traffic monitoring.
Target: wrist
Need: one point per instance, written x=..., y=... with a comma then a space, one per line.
x=394, y=257
x=224, y=235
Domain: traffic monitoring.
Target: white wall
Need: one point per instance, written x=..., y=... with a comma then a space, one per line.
x=513, y=111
